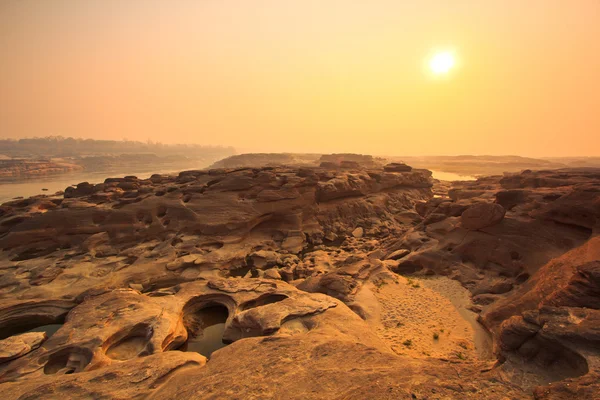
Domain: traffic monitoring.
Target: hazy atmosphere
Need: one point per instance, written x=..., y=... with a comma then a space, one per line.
x=309, y=76
x=300, y=199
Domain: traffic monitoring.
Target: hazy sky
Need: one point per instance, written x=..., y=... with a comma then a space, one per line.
x=310, y=75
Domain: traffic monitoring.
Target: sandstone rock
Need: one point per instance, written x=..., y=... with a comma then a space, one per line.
x=482, y=215
x=398, y=254
x=17, y=346
x=515, y=332
x=397, y=167
x=463, y=194
x=581, y=207
x=581, y=290
x=82, y=189
x=331, y=236
x=272, y=274
x=294, y=242
x=328, y=165
x=264, y=259
x=433, y=218
x=358, y=232
x=511, y=198
x=176, y=239
x=136, y=286
x=349, y=164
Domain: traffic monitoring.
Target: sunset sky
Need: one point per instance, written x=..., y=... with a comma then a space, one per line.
x=307, y=76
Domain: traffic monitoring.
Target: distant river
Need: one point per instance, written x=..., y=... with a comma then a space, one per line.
x=9, y=189
x=450, y=176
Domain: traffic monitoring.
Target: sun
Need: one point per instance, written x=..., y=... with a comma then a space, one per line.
x=441, y=63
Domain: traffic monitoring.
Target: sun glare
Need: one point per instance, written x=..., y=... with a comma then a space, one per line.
x=441, y=63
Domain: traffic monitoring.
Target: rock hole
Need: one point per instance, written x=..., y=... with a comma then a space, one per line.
x=67, y=361
x=210, y=246
x=240, y=272
x=407, y=268
x=205, y=330
x=522, y=278
x=131, y=345
x=161, y=211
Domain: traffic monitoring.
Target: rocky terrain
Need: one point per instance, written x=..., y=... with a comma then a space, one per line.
x=345, y=280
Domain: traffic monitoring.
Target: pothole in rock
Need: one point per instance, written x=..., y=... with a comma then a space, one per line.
x=132, y=345
x=67, y=361
x=205, y=330
x=243, y=272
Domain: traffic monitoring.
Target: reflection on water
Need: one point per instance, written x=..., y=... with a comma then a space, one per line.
x=208, y=341
x=450, y=176
x=209, y=336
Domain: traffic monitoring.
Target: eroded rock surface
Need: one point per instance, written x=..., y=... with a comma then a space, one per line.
x=302, y=264
x=19, y=345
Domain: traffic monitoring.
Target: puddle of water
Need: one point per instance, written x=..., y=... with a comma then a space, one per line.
x=209, y=337
x=207, y=342
x=460, y=297
x=49, y=329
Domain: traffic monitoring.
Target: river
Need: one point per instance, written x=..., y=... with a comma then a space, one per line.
x=10, y=189
x=451, y=176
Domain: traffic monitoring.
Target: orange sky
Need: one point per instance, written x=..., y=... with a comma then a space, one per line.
x=306, y=76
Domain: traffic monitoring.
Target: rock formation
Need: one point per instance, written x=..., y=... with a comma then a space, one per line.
x=352, y=280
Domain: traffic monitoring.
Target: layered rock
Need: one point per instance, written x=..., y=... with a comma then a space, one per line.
x=525, y=246
x=130, y=268
x=123, y=344
x=169, y=229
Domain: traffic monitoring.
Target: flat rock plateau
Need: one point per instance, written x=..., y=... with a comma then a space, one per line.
x=350, y=280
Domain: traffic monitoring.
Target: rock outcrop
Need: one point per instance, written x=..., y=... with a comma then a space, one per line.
x=482, y=215
x=294, y=274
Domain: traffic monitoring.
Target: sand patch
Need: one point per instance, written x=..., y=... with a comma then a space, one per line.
x=418, y=321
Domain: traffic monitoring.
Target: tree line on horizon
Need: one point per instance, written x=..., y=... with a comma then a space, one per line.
x=59, y=146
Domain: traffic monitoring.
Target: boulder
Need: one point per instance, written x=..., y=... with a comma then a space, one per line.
x=82, y=189
x=358, y=232
x=482, y=215
x=272, y=274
